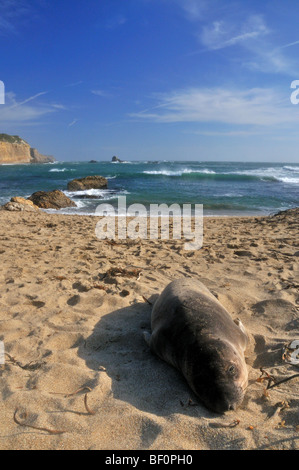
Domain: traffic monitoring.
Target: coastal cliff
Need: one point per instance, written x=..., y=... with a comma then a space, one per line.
x=15, y=150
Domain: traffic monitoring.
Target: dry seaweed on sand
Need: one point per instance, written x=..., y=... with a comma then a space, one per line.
x=24, y=416
x=72, y=394
x=114, y=272
x=233, y=424
x=270, y=378
x=31, y=366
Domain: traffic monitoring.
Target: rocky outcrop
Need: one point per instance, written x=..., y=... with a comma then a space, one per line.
x=18, y=204
x=51, y=200
x=116, y=159
x=37, y=157
x=15, y=150
x=89, y=182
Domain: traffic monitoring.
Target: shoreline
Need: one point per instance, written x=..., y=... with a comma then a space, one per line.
x=72, y=315
x=225, y=189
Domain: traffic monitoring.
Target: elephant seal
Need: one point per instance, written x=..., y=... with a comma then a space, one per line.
x=193, y=332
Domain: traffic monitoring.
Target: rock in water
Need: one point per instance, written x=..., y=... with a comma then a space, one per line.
x=116, y=159
x=89, y=182
x=51, y=200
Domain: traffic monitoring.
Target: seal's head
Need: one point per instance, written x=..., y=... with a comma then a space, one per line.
x=218, y=375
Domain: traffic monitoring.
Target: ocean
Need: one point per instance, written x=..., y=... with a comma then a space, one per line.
x=224, y=188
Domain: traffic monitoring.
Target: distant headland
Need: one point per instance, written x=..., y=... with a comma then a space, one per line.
x=14, y=150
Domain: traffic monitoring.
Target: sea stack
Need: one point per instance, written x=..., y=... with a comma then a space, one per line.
x=116, y=160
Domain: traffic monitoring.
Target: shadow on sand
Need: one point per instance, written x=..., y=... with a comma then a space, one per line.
x=117, y=347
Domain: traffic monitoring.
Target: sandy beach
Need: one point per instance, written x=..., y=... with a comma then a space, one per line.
x=77, y=372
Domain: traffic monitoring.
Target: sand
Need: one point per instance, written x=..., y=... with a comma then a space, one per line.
x=72, y=316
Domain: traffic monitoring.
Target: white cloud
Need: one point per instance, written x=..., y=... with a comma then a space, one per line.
x=225, y=133
x=102, y=93
x=194, y=9
x=58, y=106
x=14, y=111
x=27, y=100
x=221, y=26
x=290, y=44
x=270, y=61
x=115, y=22
x=79, y=82
x=11, y=12
x=223, y=34
x=6, y=26
x=254, y=107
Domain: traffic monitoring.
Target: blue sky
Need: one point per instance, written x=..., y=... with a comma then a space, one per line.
x=152, y=79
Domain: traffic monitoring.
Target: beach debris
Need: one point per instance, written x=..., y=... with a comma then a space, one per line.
x=89, y=411
x=111, y=242
x=76, y=392
x=116, y=272
x=24, y=417
x=279, y=407
x=271, y=378
x=60, y=278
x=72, y=394
x=101, y=287
x=282, y=381
x=81, y=389
x=265, y=376
x=146, y=300
x=281, y=425
x=266, y=394
x=233, y=424
x=32, y=366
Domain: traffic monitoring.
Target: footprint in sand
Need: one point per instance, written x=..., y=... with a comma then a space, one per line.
x=74, y=300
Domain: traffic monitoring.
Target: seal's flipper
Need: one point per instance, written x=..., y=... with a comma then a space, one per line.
x=147, y=337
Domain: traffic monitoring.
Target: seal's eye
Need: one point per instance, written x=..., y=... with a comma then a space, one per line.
x=231, y=370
